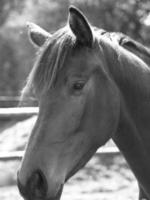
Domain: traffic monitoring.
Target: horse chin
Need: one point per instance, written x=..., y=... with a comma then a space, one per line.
x=58, y=195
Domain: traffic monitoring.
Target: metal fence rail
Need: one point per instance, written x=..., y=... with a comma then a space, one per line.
x=13, y=101
x=17, y=155
x=9, y=156
x=17, y=113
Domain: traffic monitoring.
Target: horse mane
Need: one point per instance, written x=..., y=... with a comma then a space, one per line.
x=127, y=67
x=50, y=60
x=129, y=44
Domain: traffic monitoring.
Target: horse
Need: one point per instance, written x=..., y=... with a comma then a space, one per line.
x=89, y=89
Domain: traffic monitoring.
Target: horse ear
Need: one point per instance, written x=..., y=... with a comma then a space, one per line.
x=37, y=35
x=80, y=27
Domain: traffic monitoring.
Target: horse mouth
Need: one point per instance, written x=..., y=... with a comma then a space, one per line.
x=81, y=163
x=57, y=197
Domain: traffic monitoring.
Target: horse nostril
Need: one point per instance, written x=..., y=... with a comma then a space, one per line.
x=37, y=184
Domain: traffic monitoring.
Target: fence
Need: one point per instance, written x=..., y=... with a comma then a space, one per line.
x=9, y=101
x=17, y=155
x=17, y=113
x=20, y=113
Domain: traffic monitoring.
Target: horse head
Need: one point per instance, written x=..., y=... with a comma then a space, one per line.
x=78, y=106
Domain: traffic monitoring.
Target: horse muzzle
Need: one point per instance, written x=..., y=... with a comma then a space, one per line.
x=36, y=188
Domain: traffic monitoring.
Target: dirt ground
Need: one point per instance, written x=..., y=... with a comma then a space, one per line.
x=105, y=177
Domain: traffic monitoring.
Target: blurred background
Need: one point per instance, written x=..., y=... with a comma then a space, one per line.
x=106, y=176
x=17, y=55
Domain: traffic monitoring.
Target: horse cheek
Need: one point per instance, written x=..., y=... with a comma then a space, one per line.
x=105, y=112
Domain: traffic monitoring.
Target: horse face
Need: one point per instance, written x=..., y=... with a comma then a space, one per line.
x=79, y=114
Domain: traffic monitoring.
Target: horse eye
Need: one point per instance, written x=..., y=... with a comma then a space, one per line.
x=78, y=85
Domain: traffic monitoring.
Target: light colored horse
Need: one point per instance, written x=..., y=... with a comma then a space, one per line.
x=90, y=89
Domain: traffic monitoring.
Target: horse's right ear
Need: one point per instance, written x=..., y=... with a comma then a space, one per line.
x=37, y=35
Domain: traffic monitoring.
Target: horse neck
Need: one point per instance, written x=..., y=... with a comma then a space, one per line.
x=131, y=74
x=132, y=77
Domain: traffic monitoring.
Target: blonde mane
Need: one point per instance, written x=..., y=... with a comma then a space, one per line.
x=50, y=59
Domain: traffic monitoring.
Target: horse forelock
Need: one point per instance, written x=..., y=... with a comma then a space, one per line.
x=50, y=60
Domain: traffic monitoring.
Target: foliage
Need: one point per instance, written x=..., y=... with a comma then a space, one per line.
x=17, y=55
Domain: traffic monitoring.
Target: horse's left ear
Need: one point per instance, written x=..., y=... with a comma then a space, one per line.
x=37, y=35
x=80, y=27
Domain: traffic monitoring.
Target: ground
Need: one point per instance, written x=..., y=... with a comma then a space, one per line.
x=105, y=177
